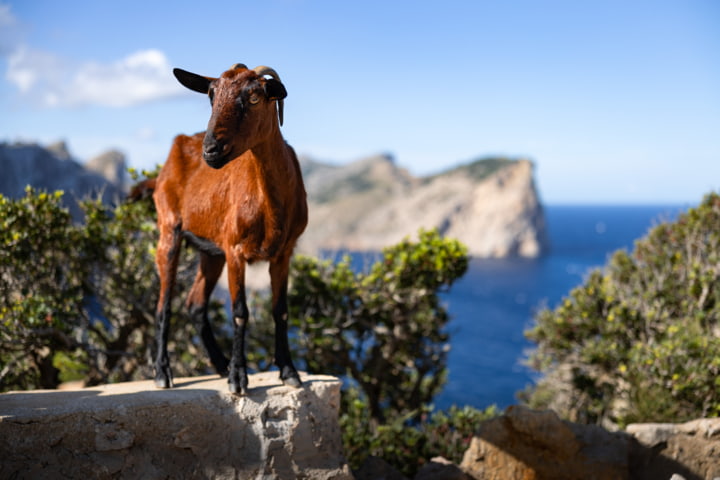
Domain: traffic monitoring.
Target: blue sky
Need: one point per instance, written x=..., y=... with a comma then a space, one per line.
x=614, y=101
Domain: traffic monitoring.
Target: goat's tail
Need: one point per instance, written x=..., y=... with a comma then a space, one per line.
x=142, y=190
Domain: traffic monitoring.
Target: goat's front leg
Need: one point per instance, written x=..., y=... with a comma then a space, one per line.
x=168, y=252
x=279, y=269
x=237, y=377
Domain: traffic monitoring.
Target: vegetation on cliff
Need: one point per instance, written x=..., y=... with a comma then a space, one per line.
x=478, y=169
x=78, y=303
x=640, y=339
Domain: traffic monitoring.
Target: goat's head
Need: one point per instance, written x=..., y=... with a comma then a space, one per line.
x=243, y=109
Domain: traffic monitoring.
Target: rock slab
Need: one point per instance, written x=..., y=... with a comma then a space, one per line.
x=688, y=450
x=196, y=430
x=535, y=445
x=538, y=445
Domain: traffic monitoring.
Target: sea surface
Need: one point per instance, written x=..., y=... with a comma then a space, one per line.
x=494, y=303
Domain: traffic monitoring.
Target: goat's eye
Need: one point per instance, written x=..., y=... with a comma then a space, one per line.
x=254, y=98
x=211, y=95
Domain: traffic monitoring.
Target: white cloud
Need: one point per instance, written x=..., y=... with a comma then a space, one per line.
x=10, y=30
x=50, y=81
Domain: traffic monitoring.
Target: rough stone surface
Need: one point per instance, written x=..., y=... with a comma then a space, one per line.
x=535, y=445
x=196, y=430
x=689, y=450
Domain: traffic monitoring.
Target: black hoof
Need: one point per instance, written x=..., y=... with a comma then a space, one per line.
x=290, y=377
x=164, y=380
x=238, y=389
x=238, y=384
x=293, y=382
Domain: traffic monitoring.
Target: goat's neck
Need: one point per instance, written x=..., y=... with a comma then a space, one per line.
x=271, y=156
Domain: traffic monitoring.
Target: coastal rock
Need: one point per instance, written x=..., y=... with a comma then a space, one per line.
x=196, y=430
x=690, y=450
x=53, y=168
x=531, y=444
x=492, y=206
x=111, y=166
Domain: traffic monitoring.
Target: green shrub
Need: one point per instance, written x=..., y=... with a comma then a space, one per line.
x=42, y=287
x=384, y=330
x=78, y=299
x=640, y=340
x=407, y=442
x=78, y=303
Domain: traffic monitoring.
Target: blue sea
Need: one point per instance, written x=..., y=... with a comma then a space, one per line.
x=494, y=303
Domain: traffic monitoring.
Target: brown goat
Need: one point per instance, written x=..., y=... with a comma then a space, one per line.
x=235, y=192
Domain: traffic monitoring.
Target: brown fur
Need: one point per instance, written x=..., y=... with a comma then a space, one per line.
x=251, y=206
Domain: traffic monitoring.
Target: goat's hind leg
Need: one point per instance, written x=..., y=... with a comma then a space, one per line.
x=168, y=252
x=198, y=299
x=279, y=283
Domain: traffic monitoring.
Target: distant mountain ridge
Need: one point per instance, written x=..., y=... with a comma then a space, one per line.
x=53, y=168
x=490, y=204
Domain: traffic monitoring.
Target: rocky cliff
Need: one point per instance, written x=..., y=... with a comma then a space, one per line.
x=491, y=205
x=52, y=168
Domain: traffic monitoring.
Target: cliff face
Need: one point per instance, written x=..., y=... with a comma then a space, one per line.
x=52, y=168
x=491, y=205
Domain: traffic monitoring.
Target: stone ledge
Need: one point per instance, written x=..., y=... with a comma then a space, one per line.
x=196, y=430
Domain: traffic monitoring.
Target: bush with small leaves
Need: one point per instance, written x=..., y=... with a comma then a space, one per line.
x=640, y=340
x=408, y=442
x=383, y=329
x=78, y=299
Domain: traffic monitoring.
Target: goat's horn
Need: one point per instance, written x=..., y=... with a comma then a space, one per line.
x=238, y=65
x=263, y=70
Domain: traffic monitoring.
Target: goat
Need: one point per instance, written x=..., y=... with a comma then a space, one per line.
x=235, y=192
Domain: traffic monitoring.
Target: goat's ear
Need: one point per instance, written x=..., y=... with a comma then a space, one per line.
x=274, y=89
x=193, y=81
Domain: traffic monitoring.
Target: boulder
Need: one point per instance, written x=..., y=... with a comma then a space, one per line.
x=196, y=430
x=689, y=450
x=535, y=445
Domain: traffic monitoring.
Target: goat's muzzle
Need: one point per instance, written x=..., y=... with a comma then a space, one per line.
x=214, y=152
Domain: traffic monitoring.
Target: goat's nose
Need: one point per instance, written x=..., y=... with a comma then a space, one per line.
x=211, y=146
x=214, y=152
